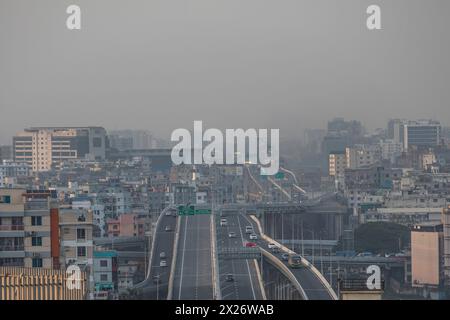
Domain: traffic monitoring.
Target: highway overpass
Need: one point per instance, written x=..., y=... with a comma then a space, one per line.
x=246, y=284
x=193, y=274
x=156, y=284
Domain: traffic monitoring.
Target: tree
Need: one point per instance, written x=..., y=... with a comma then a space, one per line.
x=382, y=237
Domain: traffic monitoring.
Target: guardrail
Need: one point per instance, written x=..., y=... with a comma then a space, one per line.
x=304, y=261
x=260, y=280
x=174, y=259
x=215, y=260
x=149, y=268
x=285, y=270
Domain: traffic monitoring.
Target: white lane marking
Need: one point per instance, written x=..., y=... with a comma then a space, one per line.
x=182, y=258
x=196, y=263
x=248, y=267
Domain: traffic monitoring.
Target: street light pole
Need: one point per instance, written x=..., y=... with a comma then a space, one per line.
x=320, y=246
x=303, y=245
x=158, y=277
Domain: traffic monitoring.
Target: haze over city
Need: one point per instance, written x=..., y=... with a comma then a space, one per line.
x=159, y=65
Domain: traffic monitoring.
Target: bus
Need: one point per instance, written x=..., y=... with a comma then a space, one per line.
x=295, y=261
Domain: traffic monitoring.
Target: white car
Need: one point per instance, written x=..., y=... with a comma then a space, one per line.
x=163, y=263
x=232, y=234
x=223, y=222
x=272, y=245
x=253, y=236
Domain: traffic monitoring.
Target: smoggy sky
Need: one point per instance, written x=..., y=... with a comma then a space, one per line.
x=160, y=64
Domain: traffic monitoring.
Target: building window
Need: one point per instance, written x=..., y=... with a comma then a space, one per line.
x=97, y=142
x=103, y=277
x=36, y=221
x=36, y=241
x=37, y=262
x=5, y=199
x=81, y=251
x=81, y=234
x=103, y=263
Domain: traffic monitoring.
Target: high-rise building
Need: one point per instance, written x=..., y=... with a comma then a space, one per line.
x=132, y=140
x=421, y=133
x=44, y=147
x=395, y=130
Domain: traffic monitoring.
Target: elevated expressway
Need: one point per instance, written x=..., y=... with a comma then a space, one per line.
x=156, y=283
x=200, y=254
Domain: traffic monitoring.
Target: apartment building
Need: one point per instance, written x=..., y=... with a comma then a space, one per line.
x=446, y=225
x=390, y=149
x=28, y=229
x=10, y=171
x=44, y=147
x=336, y=167
x=362, y=156
x=76, y=226
x=127, y=225
x=427, y=263
x=105, y=271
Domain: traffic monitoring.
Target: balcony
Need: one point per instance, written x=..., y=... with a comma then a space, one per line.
x=11, y=227
x=36, y=205
x=19, y=247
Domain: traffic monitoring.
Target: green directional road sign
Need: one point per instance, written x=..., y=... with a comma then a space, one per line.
x=279, y=176
x=191, y=210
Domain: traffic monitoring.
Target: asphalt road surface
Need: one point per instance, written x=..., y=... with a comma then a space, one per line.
x=193, y=272
x=245, y=285
x=153, y=288
x=313, y=287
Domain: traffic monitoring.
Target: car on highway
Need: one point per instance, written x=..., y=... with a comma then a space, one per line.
x=168, y=213
x=248, y=229
x=229, y=277
x=271, y=245
x=285, y=256
x=365, y=254
x=295, y=261
x=250, y=244
x=163, y=263
x=253, y=236
x=162, y=255
x=232, y=235
x=223, y=222
x=168, y=228
x=275, y=250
